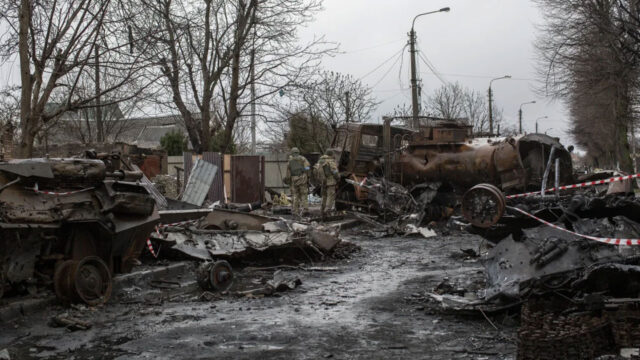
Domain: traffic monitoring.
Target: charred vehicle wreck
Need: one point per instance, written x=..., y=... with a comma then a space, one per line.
x=71, y=223
x=436, y=163
x=568, y=263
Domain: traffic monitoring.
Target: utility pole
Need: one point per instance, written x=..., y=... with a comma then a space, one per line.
x=98, y=108
x=490, y=113
x=414, y=80
x=415, y=91
x=347, y=106
x=520, y=121
x=541, y=117
x=520, y=115
x=491, y=102
x=253, y=100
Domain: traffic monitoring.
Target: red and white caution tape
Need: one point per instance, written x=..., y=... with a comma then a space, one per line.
x=150, y=246
x=35, y=189
x=611, y=241
x=157, y=231
x=575, y=186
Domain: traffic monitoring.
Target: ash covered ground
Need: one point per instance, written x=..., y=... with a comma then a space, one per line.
x=372, y=305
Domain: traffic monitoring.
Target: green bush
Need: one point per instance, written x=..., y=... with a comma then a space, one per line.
x=174, y=143
x=216, y=142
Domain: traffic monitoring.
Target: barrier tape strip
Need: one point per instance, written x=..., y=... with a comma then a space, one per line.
x=575, y=186
x=610, y=241
x=150, y=246
x=157, y=231
x=35, y=189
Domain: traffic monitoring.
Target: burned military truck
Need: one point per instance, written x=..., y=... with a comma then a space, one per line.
x=71, y=223
x=441, y=156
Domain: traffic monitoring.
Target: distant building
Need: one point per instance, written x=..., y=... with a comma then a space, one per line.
x=80, y=127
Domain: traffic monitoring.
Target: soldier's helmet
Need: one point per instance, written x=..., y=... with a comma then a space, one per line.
x=329, y=152
x=295, y=151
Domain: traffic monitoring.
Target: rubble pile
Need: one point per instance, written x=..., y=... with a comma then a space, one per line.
x=283, y=240
x=580, y=287
x=167, y=185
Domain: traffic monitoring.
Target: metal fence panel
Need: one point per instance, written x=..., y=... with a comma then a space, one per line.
x=199, y=183
x=188, y=164
x=217, y=188
x=247, y=178
x=275, y=169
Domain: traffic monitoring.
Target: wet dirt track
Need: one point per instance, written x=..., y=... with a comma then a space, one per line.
x=371, y=307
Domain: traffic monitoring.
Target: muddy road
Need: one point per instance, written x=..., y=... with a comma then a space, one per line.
x=370, y=306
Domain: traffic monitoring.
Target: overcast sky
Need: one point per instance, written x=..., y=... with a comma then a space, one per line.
x=476, y=41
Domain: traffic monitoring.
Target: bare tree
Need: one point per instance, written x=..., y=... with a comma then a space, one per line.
x=588, y=57
x=9, y=107
x=325, y=97
x=218, y=48
x=447, y=101
x=454, y=101
x=56, y=44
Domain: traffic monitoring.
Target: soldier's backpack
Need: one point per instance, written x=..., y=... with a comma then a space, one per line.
x=296, y=166
x=326, y=168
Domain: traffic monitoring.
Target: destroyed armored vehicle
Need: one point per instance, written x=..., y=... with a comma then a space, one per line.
x=440, y=156
x=71, y=222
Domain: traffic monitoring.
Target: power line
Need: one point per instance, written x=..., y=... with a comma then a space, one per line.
x=383, y=63
x=388, y=71
x=432, y=67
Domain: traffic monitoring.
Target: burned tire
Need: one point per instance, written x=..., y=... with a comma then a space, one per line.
x=483, y=205
x=87, y=280
x=62, y=280
x=221, y=276
x=215, y=276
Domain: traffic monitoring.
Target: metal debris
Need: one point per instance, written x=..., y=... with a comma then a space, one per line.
x=280, y=282
x=199, y=182
x=215, y=276
x=71, y=222
x=69, y=322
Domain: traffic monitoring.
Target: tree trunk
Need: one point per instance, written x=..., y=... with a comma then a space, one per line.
x=233, y=102
x=25, y=148
x=623, y=153
x=98, y=110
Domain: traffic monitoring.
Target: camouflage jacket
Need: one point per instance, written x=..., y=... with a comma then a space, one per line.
x=326, y=171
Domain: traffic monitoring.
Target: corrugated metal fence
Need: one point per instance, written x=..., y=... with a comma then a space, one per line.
x=275, y=169
x=247, y=176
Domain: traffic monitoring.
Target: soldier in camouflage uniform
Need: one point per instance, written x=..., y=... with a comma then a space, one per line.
x=297, y=176
x=327, y=173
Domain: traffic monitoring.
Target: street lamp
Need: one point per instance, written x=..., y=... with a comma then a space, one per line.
x=414, y=77
x=520, y=115
x=490, y=99
x=541, y=117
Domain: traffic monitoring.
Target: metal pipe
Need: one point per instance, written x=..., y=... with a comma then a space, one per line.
x=547, y=170
x=557, y=182
x=9, y=184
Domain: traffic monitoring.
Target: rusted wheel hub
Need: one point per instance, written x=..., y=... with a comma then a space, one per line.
x=87, y=280
x=216, y=276
x=483, y=205
x=93, y=281
x=221, y=276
